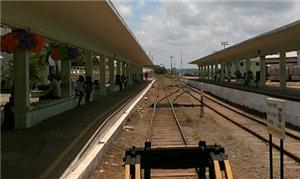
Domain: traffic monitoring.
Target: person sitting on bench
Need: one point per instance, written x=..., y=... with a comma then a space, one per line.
x=54, y=89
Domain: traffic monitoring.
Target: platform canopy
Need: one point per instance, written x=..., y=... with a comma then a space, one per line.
x=91, y=25
x=283, y=39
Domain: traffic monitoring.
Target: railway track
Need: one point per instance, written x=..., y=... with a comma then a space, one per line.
x=166, y=131
x=244, y=122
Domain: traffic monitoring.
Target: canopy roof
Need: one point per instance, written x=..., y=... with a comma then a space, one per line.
x=91, y=25
x=286, y=38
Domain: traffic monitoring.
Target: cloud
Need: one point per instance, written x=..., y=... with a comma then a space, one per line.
x=197, y=27
x=124, y=8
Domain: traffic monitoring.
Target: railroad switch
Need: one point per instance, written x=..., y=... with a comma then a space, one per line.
x=140, y=161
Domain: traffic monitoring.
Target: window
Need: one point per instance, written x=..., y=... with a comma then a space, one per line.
x=257, y=63
x=241, y=64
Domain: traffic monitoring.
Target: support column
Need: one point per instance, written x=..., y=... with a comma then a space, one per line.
x=102, y=78
x=129, y=73
x=211, y=73
x=89, y=65
x=216, y=71
x=248, y=65
x=21, y=88
x=133, y=72
x=222, y=75
x=202, y=72
x=141, y=72
x=118, y=67
x=207, y=72
x=262, y=78
x=66, y=89
x=111, y=66
x=199, y=72
x=228, y=72
x=123, y=68
x=237, y=69
x=282, y=70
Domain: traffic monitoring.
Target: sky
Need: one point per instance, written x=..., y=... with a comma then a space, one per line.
x=165, y=28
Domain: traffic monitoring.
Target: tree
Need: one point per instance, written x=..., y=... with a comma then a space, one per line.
x=160, y=69
x=37, y=67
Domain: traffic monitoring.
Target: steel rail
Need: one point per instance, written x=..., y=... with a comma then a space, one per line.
x=287, y=153
x=166, y=96
x=174, y=115
x=153, y=115
x=238, y=112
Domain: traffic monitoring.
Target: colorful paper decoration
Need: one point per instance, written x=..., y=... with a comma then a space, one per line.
x=10, y=42
x=55, y=54
x=40, y=43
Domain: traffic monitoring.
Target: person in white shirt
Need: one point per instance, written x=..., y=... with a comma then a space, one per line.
x=54, y=89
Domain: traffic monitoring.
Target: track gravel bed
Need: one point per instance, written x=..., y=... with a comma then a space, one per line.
x=247, y=156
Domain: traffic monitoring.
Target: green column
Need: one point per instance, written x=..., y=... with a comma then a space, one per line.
x=118, y=67
x=262, y=65
x=21, y=88
x=123, y=68
x=228, y=71
x=102, y=78
x=66, y=89
x=199, y=72
x=282, y=70
x=216, y=70
x=111, y=66
x=89, y=64
x=222, y=75
x=237, y=68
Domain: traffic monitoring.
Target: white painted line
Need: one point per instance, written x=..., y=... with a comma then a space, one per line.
x=88, y=160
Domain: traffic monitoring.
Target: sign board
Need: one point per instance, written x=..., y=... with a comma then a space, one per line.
x=276, y=117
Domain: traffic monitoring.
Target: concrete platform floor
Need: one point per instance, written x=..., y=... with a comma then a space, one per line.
x=288, y=93
x=28, y=153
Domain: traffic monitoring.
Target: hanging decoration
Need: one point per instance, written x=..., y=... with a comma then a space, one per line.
x=40, y=43
x=55, y=54
x=74, y=53
x=10, y=42
x=63, y=52
x=63, y=49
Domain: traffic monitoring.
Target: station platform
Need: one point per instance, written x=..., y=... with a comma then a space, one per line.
x=45, y=150
x=253, y=99
x=288, y=93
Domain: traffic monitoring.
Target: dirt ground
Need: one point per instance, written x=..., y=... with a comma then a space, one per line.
x=245, y=159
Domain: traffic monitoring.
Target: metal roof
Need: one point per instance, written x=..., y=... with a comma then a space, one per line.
x=91, y=25
x=286, y=38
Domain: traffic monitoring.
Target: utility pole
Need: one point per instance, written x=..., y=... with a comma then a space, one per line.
x=171, y=57
x=150, y=55
x=224, y=43
x=181, y=63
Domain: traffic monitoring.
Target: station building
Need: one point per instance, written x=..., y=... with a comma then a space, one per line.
x=107, y=45
x=250, y=71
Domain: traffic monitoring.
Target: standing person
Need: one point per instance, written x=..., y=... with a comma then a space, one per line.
x=79, y=88
x=123, y=80
x=119, y=82
x=146, y=75
x=88, y=87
